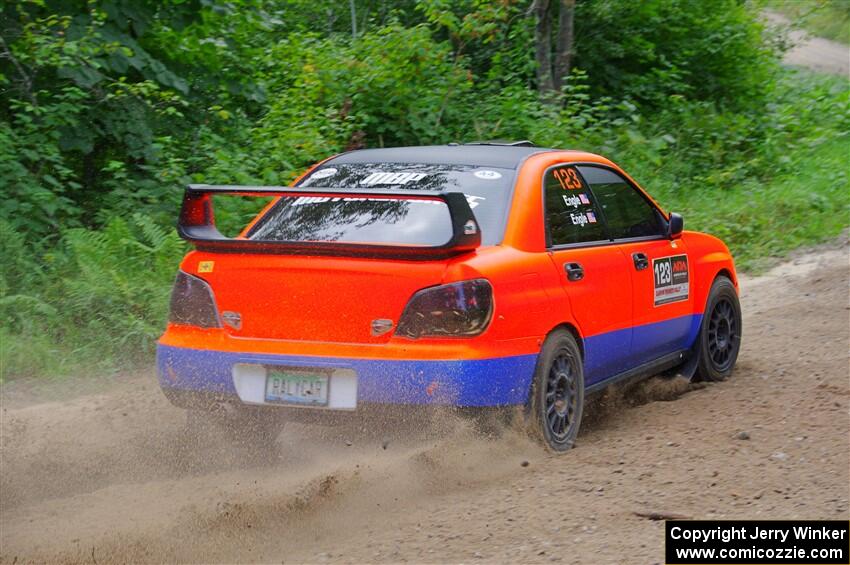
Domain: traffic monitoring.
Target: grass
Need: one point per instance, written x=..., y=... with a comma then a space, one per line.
x=760, y=221
x=823, y=18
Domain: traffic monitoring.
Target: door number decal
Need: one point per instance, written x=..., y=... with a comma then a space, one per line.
x=671, y=279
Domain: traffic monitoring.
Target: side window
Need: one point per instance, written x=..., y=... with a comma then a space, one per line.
x=627, y=213
x=571, y=216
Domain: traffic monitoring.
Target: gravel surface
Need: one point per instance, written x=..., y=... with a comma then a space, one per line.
x=111, y=476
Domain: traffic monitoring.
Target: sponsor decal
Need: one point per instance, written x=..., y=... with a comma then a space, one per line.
x=488, y=175
x=584, y=199
x=571, y=200
x=392, y=178
x=579, y=219
x=671, y=279
x=324, y=173
x=474, y=200
x=301, y=200
x=206, y=266
x=591, y=217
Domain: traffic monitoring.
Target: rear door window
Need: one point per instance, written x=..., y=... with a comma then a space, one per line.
x=628, y=214
x=571, y=213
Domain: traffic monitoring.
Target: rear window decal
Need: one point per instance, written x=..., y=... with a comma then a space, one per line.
x=392, y=178
x=568, y=178
x=671, y=280
x=488, y=175
x=324, y=173
x=575, y=200
x=474, y=201
x=583, y=219
x=302, y=200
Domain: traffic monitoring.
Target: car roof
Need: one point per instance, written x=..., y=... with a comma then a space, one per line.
x=478, y=154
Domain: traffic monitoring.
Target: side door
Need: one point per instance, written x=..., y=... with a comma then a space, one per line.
x=593, y=272
x=659, y=267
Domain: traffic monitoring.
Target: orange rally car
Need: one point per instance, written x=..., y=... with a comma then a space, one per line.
x=475, y=275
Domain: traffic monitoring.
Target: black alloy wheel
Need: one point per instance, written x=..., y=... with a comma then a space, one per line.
x=720, y=335
x=557, y=396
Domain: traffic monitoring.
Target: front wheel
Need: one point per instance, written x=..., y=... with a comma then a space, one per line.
x=557, y=395
x=720, y=334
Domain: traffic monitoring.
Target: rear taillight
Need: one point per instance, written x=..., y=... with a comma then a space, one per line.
x=453, y=310
x=192, y=303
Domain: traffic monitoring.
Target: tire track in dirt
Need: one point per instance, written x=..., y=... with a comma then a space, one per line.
x=111, y=477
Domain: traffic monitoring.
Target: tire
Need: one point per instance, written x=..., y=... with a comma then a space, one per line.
x=240, y=427
x=557, y=392
x=720, y=332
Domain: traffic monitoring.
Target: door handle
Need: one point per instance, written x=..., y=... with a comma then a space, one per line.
x=641, y=262
x=575, y=272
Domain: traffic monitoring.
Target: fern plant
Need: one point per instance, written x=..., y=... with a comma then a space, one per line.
x=119, y=293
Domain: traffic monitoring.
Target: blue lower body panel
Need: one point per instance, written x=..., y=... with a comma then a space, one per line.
x=475, y=382
x=611, y=353
x=481, y=382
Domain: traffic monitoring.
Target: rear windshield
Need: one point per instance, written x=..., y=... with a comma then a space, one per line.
x=412, y=222
x=405, y=222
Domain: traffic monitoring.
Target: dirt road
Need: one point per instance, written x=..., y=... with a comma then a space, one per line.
x=111, y=477
x=816, y=53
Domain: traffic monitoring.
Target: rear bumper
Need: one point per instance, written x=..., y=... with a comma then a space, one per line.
x=500, y=381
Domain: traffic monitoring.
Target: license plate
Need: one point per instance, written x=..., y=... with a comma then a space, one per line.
x=296, y=387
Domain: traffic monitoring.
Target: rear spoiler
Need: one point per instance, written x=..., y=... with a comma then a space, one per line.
x=197, y=224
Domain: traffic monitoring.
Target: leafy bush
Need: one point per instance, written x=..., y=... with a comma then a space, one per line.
x=98, y=299
x=714, y=51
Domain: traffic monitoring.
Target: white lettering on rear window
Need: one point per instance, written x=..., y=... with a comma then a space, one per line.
x=392, y=178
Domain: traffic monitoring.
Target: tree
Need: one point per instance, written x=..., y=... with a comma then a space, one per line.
x=550, y=78
x=564, y=46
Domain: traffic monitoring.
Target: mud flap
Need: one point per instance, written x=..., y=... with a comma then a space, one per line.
x=688, y=369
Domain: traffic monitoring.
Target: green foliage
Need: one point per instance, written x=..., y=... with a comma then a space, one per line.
x=392, y=87
x=98, y=298
x=713, y=51
x=109, y=107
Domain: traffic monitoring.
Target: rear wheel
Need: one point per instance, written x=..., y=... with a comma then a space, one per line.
x=557, y=396
x=720, y=334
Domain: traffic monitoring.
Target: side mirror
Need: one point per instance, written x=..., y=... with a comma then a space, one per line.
x=675, y=226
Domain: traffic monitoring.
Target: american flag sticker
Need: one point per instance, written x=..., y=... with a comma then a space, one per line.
x=584, y=199
x=591, y=217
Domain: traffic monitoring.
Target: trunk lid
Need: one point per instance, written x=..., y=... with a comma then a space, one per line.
x=316, y=298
